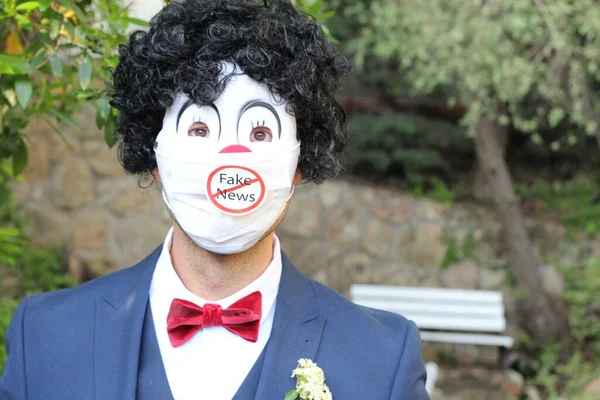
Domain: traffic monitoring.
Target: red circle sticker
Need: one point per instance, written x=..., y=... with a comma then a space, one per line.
x=235, y=190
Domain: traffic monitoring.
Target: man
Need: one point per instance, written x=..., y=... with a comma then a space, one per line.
x=229, y=104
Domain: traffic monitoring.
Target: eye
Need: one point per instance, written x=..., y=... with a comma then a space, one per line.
x=261, y=134
x=199, y=129
x=259, y=126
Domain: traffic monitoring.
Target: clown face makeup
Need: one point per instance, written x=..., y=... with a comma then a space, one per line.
x=245, y=118
x=227, y=168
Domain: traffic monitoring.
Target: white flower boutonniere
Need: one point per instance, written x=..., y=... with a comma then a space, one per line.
x=310, y=382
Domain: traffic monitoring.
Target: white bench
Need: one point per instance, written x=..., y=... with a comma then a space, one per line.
x=443, y=315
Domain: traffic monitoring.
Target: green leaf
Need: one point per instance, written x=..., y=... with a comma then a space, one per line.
x=23, y=21
x=37, y=60
x=329, y=34
x=325, y=16
x=27, y=6
x=12, y=65
x=20, y=158
x=85, y=72
x=136, y=21
x=72, y=6
x=109, y=131
x=11, y=96
x=104, y=7
x=100, y=120
x=102, y=111
x=291, y=395
x=70, y=28
x=62, y=117
x=56, y=65
x=58, y=132
x=44, y=4
x=24, y=89
x=557, y=114
x=315, y=7
x=54, y=29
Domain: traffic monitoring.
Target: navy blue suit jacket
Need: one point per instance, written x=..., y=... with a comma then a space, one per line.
x=83, y=343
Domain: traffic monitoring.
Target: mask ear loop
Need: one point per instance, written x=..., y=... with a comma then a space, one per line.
x=291, y=192
x=164, y=196
x=289, y=198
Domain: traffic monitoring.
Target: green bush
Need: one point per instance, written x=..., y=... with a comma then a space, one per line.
x=584, y=306
x=51, y=55
x=7, y=308
x=576, y=199
x=41, y=270
x=406, y=146
x=562, y=369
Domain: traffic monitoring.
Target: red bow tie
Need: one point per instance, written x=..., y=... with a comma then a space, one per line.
x=242, y=318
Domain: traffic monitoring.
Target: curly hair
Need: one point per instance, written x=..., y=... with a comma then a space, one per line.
x=184, y=51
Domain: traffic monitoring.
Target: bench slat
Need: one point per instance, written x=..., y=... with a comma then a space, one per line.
x=466, y=338
x=442, y=309
x=424, y=294
x=458, y=324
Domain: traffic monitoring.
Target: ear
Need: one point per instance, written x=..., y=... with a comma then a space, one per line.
x=156, y=174
x=297, y=177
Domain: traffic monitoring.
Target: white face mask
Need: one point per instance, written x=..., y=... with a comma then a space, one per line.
x=227, y=168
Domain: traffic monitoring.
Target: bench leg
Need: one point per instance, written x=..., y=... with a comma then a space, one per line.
x=502, y=354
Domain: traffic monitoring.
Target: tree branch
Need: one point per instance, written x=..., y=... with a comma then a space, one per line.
x=546, y=16
x=551, y=27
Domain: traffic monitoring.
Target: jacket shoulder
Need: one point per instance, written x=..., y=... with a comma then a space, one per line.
x=85, y=295
x=379, y=345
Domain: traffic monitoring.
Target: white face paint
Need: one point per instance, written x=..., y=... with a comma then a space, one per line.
x=227, y=168
x=246, y=114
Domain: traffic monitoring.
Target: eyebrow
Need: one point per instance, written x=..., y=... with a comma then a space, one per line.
x=189, y=103
x=259, y=103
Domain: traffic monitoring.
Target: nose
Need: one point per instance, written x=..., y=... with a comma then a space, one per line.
x=236, y=148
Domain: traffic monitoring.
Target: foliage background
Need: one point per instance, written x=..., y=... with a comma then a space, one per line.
x=54, y=57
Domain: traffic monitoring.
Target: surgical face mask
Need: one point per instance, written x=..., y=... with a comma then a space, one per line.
x=227, y=168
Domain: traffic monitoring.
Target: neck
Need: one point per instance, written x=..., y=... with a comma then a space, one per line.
x=216, y=276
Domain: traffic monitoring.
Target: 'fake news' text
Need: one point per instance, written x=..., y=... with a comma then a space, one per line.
x=237, y=182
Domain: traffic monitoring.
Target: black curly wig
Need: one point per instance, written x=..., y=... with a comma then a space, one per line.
x=184, y=51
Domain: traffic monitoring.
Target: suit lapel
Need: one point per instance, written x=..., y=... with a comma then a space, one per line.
x=119, y=322
x=152, y=382
x=297, y=329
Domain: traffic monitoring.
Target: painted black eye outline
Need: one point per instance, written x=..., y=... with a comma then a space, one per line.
x=269, y=107
x=191, y=102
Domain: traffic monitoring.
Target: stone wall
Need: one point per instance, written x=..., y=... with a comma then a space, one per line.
x=343, y=232
x=339, y=233
x=76, y=194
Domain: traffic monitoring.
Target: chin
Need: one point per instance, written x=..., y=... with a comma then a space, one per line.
x=267, y=235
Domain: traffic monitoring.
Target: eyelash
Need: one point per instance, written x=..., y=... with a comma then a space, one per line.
x=257, y=124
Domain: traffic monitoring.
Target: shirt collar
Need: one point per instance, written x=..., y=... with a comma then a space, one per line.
x=167, y=286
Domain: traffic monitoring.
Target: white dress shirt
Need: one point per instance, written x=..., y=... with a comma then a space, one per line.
x=214, y=363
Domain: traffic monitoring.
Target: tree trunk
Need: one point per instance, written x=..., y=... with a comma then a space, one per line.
x=481, y=186
x=540, y=320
